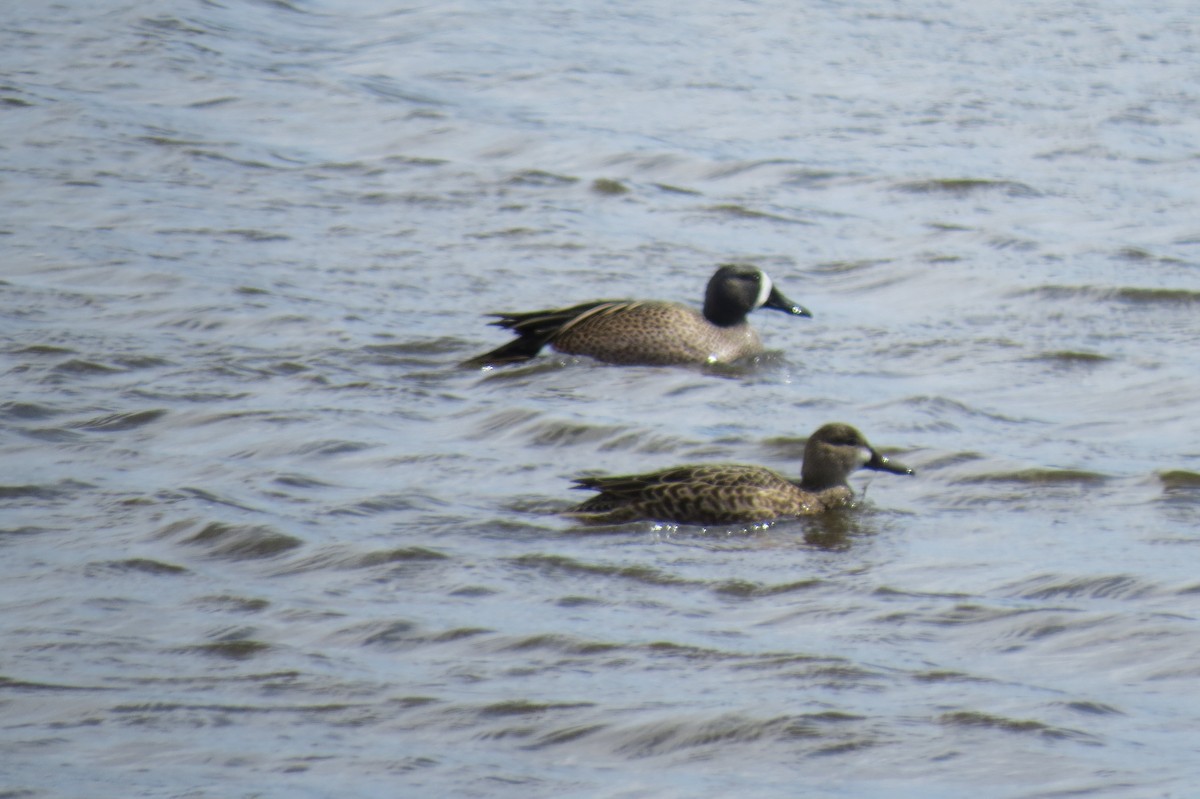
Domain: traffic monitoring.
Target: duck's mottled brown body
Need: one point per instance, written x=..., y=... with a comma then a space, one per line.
x=723, y=493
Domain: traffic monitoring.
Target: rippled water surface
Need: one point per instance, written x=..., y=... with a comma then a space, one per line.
x=261, y=536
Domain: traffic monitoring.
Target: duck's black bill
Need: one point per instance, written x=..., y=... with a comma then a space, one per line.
x=881, y=464
x=777, y=301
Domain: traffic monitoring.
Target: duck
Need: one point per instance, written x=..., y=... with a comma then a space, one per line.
x=650, y=332
x=731, y=493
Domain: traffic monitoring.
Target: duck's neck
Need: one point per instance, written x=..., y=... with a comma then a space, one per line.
x=722, y=317
x=817, y=486
x=813, y=480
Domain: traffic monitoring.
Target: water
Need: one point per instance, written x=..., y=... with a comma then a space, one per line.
x=262, y=537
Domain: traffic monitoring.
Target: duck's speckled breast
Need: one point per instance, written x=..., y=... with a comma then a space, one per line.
x=656, y=333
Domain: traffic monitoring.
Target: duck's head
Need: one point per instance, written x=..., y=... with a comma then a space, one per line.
x=835, y=451
x=737, y=289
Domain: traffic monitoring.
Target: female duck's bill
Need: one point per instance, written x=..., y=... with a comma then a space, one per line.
x=726, y=493
x=650, y=332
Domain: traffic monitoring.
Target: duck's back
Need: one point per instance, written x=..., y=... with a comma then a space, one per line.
x=654, y=333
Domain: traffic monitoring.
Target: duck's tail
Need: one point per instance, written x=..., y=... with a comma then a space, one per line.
x=535, y=329
x=524, y=348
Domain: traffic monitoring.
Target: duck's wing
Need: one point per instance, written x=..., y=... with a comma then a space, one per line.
x=701, y=476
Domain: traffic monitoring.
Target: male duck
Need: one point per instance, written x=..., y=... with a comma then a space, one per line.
x=650, y=332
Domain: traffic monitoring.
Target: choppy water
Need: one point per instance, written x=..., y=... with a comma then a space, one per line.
x=261, y=537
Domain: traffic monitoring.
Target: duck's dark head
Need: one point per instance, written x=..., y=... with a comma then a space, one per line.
x=737, y=289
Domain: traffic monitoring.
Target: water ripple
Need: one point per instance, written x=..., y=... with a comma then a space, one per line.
x=558, y=564
x=1036, y=476
x=1127, y=294
x=961, y=187
x=232, y=541
x=977, y=719
x=119, y=422
x=1115, y=586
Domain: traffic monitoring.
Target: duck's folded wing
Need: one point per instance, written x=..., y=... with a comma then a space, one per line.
x=708, y=475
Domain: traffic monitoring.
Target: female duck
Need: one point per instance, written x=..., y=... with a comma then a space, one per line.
x=724, y=493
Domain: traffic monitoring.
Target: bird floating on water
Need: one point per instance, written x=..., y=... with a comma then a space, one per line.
x=650, y=332
x=726, y=493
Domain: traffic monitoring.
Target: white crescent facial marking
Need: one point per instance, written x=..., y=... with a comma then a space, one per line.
x=864, y=457
x=764, y=289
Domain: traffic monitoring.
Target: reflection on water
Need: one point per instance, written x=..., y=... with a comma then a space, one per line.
x=260, y=530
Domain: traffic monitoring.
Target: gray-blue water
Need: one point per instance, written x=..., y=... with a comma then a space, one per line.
x=260, y=536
